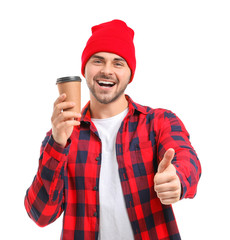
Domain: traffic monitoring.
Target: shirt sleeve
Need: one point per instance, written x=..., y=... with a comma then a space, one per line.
x=172, y=134
x=44, y=199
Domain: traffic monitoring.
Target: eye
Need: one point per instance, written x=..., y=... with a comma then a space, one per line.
x=97, y=61
x=118, y=64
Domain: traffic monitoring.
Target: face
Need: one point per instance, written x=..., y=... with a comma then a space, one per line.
x=107, y=76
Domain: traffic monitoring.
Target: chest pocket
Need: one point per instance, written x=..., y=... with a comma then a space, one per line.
x=142, y=158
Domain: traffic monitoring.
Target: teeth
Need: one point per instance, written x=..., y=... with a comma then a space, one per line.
x=106, y=83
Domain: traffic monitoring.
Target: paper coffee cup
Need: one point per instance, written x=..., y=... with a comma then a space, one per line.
x=71, y=86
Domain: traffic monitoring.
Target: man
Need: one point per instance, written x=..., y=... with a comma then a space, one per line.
x=116, y=172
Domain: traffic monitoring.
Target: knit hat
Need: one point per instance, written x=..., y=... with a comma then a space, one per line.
x=114, y=37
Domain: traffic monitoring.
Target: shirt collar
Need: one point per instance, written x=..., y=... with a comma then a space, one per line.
x=133, y=107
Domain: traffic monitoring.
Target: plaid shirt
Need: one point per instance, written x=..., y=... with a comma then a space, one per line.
x=67, y=179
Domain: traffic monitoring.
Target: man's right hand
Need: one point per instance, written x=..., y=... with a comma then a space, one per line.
x=63, y=122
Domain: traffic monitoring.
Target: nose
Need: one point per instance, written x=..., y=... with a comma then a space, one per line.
x=107, y=69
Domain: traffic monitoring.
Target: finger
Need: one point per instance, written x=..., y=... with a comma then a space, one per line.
x=165, y=177
x=169, y=201
x=166, y=161
x=168, y=195
x=66, y=124
x=60, y=99
x=64, y=116
x=165, y=187
x=62, y=106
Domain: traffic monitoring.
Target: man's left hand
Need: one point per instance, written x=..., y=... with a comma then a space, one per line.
x=166, y=182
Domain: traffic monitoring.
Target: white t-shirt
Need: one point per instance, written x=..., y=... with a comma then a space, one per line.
x=114, y=221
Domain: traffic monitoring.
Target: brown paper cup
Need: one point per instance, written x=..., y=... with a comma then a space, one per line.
x=71, y=86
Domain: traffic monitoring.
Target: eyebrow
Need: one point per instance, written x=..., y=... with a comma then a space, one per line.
x=96, y=56
x=102, y=58
x=119, y=59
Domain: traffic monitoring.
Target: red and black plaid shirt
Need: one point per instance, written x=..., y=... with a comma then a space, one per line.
x=68, y=179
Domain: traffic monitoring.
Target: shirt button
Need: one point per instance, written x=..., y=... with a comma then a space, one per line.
x=95, y=214
x=95, y=188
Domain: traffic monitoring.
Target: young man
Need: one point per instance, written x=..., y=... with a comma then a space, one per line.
x=116, y=172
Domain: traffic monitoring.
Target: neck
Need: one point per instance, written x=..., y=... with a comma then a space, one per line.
x=99, y=110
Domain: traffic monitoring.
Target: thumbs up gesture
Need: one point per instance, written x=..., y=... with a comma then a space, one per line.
x=166, y=182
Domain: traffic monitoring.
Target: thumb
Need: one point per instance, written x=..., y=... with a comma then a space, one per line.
x=166, y=161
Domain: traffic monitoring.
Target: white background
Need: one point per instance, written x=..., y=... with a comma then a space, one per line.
x=183, y=64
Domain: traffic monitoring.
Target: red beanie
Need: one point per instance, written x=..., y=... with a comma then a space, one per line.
x=114, y=37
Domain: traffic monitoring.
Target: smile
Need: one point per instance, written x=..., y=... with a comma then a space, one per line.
x=105, y=84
